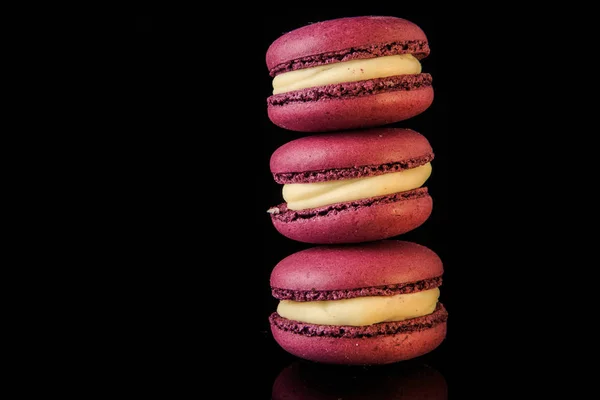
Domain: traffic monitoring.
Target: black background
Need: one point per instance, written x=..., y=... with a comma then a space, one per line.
x=201, y=185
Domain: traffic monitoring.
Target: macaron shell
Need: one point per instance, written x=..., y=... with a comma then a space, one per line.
x=375, y=146
x=351, y=113
x=340, y=34
x=385, y=262
x=383, y=349
x=340, y=294
x=361, y=224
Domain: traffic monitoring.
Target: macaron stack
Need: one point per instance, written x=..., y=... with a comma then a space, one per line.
x=350, y=183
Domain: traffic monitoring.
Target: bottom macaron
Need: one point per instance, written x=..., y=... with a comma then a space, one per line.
x=366, y=304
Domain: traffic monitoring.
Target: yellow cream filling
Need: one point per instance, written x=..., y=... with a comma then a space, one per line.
x=300, y=196
x=347, y=71
x=361, y=311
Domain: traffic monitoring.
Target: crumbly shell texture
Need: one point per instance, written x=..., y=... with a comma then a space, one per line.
x=385, y=290
x=352, y=89
x=282, y=213
x=363, y=171
x=418, y=48
x=440, y=315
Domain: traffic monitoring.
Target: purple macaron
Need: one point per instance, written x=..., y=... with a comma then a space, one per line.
x=343, y=157
x=351, y=103
x=337, y=273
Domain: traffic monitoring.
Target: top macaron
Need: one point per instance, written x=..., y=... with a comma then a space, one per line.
x=348, y=73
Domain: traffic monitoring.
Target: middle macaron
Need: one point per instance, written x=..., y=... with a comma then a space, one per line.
x=352, y=187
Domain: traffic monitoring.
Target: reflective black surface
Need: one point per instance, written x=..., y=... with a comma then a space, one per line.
x=408, y=381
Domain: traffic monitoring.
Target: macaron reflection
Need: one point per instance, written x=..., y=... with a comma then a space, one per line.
x=304, y=380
